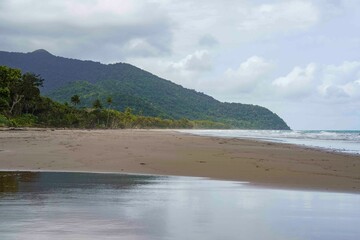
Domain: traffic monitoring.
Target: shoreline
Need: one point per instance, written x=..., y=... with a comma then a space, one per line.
x=305, y=146
x=171, y=153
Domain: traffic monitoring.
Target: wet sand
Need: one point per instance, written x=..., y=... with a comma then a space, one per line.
x=173, y=153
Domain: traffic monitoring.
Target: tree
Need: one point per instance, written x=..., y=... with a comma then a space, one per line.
x=30, y=91
x=18, y=93
x=75, y=100
x=8, y=77
x=97, y=104
x=109, y=102
x=4, y=99
x=16, y=99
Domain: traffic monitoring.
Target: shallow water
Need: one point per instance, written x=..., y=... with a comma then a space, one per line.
x=340, y=141
x=117, y=206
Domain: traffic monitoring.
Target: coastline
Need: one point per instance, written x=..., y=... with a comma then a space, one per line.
x=167, y=152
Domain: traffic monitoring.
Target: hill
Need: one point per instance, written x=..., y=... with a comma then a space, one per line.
x=132, y=87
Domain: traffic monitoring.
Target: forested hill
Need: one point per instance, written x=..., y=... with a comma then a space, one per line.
x=132, y=87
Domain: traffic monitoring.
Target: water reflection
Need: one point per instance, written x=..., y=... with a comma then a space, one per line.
x=110, y=206
x=9, y=181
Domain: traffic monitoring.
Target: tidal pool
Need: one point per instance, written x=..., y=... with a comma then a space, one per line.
x=50, y=205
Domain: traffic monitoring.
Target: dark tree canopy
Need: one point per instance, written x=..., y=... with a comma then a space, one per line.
x=97, y=104
x=75, y=100
x=109, y=100
x=18, y=93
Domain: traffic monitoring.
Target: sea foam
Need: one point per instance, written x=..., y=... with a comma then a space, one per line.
x=340, y=141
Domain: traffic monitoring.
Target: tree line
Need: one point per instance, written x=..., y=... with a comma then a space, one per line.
x=21, y=104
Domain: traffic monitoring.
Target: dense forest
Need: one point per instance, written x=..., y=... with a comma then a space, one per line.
x=21, y=104
x=130, y=87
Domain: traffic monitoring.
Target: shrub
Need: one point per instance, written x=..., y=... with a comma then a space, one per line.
x=4, y=122
x=25, y=120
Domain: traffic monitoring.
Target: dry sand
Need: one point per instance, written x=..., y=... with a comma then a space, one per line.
x=172, y=153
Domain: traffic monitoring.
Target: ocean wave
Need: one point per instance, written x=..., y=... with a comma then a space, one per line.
x=343, y=141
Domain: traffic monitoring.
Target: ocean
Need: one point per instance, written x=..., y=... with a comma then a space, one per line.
x=339, y=141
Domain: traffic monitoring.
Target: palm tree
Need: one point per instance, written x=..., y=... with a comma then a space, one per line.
x=75, y=100
x=109, y=102
x=97, y=104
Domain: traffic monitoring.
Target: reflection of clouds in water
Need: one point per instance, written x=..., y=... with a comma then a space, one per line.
x=93, y=206
x=59, y=229
x=316, y=215
x=250, y=202
x=307, y=199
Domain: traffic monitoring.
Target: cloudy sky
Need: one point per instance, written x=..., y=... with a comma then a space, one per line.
x=299, y=58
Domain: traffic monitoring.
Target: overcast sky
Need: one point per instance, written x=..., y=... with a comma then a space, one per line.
x=300, y=58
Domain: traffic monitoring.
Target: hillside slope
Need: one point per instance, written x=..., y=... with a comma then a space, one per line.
x=132, y=87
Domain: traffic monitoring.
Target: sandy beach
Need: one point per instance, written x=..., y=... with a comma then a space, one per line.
x=172, y=153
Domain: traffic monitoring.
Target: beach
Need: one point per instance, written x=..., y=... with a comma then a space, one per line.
x=167, y=152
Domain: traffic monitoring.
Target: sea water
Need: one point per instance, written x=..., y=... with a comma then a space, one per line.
x=49, y=205
x=341, y=141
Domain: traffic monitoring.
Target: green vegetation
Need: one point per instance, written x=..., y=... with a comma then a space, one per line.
x=170, y=103
x=129, y=86
x=75, y=100
x=22, y=105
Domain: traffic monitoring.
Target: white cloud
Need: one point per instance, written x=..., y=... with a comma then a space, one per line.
x=140, y=47
x=279, y=16
x=208, y=41
x=311, y=97
x=198, y=61
x=247, y=76
x=81, y=13
x=298, y=83
x=105, y=29
x=325, y=83
x=353, y=88
x=334, y=91
x=186, y=71
x=342, y=73
x=342, y=81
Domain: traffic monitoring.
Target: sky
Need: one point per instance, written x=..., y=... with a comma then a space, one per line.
x=299, y=58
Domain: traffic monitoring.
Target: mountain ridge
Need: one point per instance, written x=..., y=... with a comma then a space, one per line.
x=130, y=86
